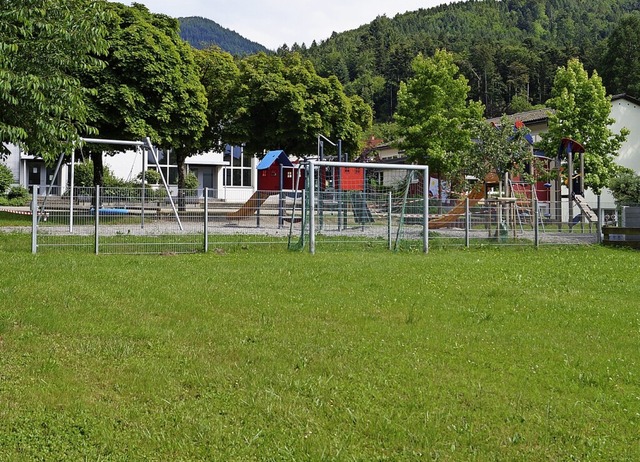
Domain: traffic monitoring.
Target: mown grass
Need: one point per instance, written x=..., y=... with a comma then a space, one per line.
x=14, y=219
x=260, y=354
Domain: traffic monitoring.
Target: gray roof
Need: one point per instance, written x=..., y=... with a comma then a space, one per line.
x=527, y=117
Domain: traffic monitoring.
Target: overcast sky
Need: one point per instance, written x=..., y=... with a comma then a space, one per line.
x=273, y=23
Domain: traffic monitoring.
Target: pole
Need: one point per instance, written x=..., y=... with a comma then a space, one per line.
x=599, y=223
x=34, y=220
x=164, y=182
x=425, y=211
x=144, y=187
x=97, y=221
x=312, y=209
x=536, y=222
x=72, y=186
x=390, y=205
x=206, y=220
x=570, y=186
x=467, y=224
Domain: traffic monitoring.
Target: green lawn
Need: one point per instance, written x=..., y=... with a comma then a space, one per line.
x=263, y=354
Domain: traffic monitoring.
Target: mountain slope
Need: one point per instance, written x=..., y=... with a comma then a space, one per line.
x=202, y=33
x=509, y=50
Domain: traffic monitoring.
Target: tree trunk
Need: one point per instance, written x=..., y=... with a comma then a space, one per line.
x=98, y=174
x=180, y=160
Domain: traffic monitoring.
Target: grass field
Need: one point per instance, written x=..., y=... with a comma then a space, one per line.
x=261, y=354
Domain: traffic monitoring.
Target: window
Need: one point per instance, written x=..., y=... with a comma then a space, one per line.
x=238, y=173
x=166, y=164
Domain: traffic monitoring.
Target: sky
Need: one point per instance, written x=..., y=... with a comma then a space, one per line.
x=273, y=23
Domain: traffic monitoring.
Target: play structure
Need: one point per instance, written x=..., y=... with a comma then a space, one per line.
x=459, y=209
x=145, y=145
x=276, y=175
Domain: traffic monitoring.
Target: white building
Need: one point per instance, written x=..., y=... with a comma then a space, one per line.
x=230, y=175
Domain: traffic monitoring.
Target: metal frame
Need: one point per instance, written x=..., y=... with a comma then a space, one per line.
x=320, y=163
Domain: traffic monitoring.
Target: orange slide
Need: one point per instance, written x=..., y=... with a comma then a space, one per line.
x=252, y=205
x=475, y=196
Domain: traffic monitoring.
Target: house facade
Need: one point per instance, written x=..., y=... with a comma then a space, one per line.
x=230, y=174
x=625, y=110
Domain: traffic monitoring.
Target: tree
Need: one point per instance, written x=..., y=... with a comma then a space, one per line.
x=502, y=148
x=150, y=86
x=621, y=62
x=44, y=44
x=282, y=103
x=219, y=74
x=625, y=187
x=434, y=116
x=582, y=112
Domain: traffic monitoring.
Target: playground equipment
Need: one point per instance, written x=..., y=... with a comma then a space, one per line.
x=317, y=200
x=574, y=172
x=276, y=175
x=146, y=144
x=473, y=198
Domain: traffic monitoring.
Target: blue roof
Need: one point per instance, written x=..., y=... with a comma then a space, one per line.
x=273, y=156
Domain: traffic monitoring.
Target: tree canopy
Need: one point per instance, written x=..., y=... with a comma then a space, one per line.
x=282, y=103
x=434, y=114
x=509, y=50
x=621, y=61
x=582, y=112
x=150, y=85
x=502, y=148
x=44, y=45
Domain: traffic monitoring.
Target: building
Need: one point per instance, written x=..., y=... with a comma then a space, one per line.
x=230, y=174
x=625, y=110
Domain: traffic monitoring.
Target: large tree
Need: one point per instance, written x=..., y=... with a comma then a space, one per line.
x=44, y=44
x=283, y=103
x=500, y=148
x=434, y=114
x=582, y=112
x=219, y=74
x=150, y=86
x=621, y=61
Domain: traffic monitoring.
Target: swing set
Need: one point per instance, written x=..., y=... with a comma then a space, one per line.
x=139, y=145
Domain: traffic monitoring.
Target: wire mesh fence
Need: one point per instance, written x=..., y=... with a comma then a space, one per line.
x=386, y=209
x=125, y=220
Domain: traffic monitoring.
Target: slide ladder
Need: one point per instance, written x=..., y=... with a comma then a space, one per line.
x=585, y=208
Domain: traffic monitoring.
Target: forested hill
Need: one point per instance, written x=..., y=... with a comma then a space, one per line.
x=202, y=32
x=509, y=50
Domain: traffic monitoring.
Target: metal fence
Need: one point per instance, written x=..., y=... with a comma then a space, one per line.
x=137, y=220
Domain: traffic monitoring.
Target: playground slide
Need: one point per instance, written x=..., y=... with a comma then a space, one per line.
x=475, y=196
x=251, y=206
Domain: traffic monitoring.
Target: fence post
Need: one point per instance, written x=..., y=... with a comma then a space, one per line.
x=467, y=223
x=34, y=220
x=599, y=223
x=312, y=209
x=97, y=221
x=390, y=205
x=206, y=220
x=536, y=222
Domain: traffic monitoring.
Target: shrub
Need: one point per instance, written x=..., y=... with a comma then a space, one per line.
x=625, y=187
x=6, y=178
x=19, y=193
x=191, y=181
x=151, y=176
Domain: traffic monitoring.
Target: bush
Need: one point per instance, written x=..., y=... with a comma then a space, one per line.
x=191, y=181
x=151, y=176
x=83, y=175
x=625, y=187
x=19, y=193
x=6, y=178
